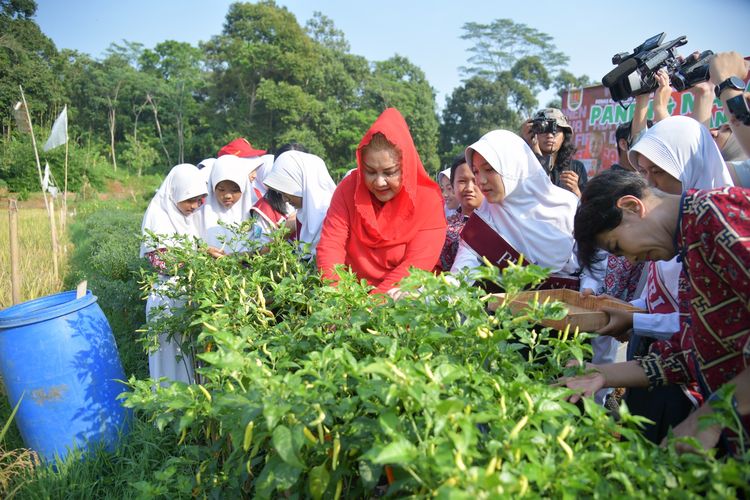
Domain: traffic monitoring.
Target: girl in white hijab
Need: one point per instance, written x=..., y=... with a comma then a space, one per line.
x=172, y=212
x=534, y=216
x=451, y=202
x=305, y=183
x=684, y=149
x=230, y=197
x=263, y=170
x=205, y=167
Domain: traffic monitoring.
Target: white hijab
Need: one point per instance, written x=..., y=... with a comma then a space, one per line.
x=446, y=173
x=684, y=149
x=208, y=165
x=536, y=217
x=250, y=197
x=162, y=216
x=305, y=175
x=263, y=170
x=227, y=168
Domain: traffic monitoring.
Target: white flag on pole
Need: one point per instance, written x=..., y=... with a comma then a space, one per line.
x=59, y=134
x=45, y=180
x=48, y=183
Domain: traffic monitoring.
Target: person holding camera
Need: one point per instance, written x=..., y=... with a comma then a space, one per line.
x=554, y=137
x=727, y=72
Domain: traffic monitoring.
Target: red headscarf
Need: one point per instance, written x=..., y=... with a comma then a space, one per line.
x=397, y=220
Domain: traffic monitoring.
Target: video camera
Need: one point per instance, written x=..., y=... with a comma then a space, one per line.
x=635, y=73
x=544, y=126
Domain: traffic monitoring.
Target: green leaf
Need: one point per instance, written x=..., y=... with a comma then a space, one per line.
x=286, y=446
x=398, y=452
x=318, y=481
x=369, y=474
x=276, y=475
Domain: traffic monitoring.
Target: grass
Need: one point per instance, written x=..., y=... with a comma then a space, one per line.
x=101, y=474
x=35, y=261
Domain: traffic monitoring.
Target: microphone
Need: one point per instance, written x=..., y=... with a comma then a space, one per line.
x=620, y=71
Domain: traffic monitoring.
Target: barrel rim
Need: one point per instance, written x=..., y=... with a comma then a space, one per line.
x=33, y=311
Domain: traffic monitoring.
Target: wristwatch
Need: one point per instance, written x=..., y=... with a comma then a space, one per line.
x=733, y=82
x=739, y=108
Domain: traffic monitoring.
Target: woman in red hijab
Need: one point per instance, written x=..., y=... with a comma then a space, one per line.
x=387, y=216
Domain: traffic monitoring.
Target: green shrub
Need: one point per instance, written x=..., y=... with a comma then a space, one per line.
x=313, y=391
x=18, y=165
x=107, y=240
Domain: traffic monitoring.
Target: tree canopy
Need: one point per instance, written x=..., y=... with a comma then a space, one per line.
x=270, y=79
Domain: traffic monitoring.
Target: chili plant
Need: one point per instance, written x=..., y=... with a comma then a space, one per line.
x=311, y=390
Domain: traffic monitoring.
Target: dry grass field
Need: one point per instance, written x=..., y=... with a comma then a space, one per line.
x=35, y=246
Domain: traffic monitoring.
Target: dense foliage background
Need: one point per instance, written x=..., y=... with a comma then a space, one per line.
x=266, y=77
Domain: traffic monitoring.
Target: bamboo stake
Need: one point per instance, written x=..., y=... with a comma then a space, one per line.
x=36, y=152
x=64, y=218
x=53, y=230
x=47, y=203
x=15, y=269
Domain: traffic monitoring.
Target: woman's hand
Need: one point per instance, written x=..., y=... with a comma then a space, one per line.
x=584, y=385
x=216, y=253
x=708, y=437
x=619, y=322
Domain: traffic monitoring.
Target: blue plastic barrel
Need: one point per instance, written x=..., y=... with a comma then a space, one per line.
x=59, y=353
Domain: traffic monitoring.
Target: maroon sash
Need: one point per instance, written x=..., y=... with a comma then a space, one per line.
x=486, y=242
x=660, y=301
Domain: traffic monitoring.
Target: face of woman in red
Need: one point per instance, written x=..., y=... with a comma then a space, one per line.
x=382, y=173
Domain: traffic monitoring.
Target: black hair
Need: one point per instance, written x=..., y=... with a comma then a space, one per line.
x=567, y=149
x=458, y=160
x=624, y=131
x=275, y=199
x=290, y=146
x=598, y=211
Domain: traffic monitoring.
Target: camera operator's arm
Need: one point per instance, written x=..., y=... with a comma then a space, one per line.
x=662, y=94
x=528, y=135
x=703, y=95
x=639, y=116
x=722, y=67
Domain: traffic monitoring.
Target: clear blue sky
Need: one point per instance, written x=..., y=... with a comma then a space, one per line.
x=427, y=32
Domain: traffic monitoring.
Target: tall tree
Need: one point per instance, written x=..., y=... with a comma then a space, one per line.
x=178, y=67
x=397, y=82
x=26, y=58
x=566, y=80
x=476, y=107
x=504, y=47
x=497, y=47
x=323, y=31
x=259, y=42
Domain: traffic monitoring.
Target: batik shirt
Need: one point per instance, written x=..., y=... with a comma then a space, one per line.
x=452, y=235
x=713, y=346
